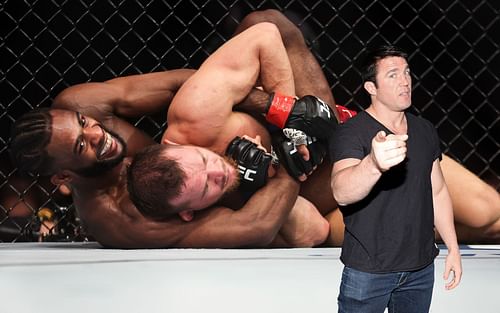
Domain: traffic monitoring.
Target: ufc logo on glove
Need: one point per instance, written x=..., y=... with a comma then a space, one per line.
x=246, y=173
x=252, y=161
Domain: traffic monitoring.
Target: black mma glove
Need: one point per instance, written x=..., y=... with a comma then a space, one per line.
x=290, y=158
x=308, y=114
x=252, y=162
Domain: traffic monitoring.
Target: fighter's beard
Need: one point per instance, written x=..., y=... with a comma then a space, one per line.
x=236, y=182
x=101, y=167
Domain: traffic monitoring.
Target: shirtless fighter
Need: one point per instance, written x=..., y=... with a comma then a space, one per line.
x=87, y=155
x=206, y=118
x=102, y=202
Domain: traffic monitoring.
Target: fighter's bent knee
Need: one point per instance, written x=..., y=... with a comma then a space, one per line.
x=270, y=15
x=492, y=233
x=317, y=238
x=289, y=31
x=324, y=232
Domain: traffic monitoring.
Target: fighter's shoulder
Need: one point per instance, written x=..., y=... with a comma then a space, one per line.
x=106, y=204
x=182, y=134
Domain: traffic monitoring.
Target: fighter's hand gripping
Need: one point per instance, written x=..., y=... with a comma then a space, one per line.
x=294, y=163
x=300, y=118
x=388, y=150
x=308, y=114
x=253, y=163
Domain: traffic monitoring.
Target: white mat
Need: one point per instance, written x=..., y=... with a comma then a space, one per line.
x=82, y=277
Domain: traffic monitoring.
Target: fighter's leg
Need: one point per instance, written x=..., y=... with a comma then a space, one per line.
x=308, y=76
x=336, y=236
x=308, y=79
x=304, y=227
x=476, y=205
x=482, y=235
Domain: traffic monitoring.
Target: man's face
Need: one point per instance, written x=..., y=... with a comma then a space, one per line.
x=81, y=144
x=209, y=176
x=393, y=83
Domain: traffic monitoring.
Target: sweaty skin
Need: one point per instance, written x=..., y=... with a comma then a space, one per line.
x=202, y=113
x=102, y=199
x=132, y=96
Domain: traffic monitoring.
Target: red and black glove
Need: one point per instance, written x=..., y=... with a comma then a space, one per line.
x=309, y=114
x=344, y=113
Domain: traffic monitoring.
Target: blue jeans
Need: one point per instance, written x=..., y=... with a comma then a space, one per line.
x=400, y=292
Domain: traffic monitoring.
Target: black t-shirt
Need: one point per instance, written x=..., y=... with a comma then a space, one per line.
x=392, y=229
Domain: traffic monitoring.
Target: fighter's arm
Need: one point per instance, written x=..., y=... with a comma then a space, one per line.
x=127, y=96
x=443, y=221
x=255, y=104
x=255, y=224
x=203, y=108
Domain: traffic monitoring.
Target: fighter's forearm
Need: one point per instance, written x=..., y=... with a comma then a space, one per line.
x=128, y=96
x=256, y=102
x=148, y=93
x=268, y=209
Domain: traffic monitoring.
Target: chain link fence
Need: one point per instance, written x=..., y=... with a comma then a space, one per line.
x=47, y=46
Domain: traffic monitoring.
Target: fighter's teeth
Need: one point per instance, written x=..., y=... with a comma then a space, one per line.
x=107, y=144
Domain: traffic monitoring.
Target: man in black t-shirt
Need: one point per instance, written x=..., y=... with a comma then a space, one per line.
x=389, y=185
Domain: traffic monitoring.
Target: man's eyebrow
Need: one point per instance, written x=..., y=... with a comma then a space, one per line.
x=395, y=69
x=392, y=70
x=204, y=159
x=76, y=145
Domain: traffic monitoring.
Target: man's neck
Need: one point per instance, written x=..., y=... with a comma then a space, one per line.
x=116, y=177
x=393, y=120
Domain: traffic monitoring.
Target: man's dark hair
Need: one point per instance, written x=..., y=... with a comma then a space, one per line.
x=153, y=180
x=30, y=136
x=373, y=56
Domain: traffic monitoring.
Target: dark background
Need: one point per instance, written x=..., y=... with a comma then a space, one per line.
x=47, y=46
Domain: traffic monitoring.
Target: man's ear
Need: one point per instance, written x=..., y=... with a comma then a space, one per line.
x=65, y=189
x=61, y=178
x=370, y=88
x=186, y=216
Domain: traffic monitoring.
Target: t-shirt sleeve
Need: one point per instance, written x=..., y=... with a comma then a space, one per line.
x=345, y=144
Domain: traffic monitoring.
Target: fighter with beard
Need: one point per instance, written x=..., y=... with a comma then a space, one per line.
x=74, y=146
x=119, y=224
x=103, y=164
